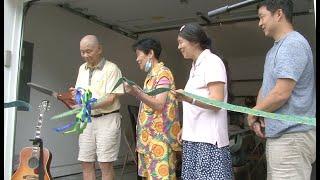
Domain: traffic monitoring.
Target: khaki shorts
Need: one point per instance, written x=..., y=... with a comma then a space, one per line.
x=291, y=156
x=101, y=139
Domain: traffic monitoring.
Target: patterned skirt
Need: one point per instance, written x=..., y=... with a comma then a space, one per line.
x=204, y=161
x=158, y=164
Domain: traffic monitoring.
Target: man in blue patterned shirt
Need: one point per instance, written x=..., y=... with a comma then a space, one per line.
x=288, y=87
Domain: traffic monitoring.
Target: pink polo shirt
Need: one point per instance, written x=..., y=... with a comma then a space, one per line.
x=199, y=124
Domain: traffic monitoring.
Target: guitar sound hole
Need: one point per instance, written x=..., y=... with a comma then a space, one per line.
x=33, y=162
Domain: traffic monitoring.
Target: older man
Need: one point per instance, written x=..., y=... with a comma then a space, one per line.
x=101, y=138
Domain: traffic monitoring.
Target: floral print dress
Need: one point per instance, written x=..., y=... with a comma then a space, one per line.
x=157, y=130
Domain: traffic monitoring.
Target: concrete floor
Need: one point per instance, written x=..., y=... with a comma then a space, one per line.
x=130, y=173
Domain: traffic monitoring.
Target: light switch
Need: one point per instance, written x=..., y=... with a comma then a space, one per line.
x=7, y=58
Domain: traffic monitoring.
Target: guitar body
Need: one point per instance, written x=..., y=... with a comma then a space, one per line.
x=35, y=161
x=28, y=165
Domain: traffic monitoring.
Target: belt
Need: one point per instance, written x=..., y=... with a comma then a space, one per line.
x=102, y=114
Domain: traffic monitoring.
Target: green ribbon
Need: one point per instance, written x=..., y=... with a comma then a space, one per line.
x=235, y=108
x=211, y=102
x=131, y=83
x=121, y=80
x=17, y=103
x=67, y=113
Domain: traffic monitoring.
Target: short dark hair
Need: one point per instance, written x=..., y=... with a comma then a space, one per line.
x=194, y=33
x=147, y=44
x=273, y=5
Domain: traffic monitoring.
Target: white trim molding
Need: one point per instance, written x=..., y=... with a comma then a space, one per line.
x=13, y=14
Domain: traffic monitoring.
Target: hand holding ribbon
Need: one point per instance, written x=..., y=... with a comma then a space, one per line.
x=84, y=99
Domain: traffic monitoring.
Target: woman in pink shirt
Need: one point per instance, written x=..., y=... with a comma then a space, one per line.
x=204, y=134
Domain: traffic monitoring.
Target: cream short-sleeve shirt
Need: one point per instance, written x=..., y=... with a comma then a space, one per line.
x=103, y=79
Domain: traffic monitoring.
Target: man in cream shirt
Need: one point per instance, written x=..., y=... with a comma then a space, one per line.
x=101, y=137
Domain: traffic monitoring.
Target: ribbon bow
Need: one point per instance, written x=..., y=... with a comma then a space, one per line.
x=84, y=100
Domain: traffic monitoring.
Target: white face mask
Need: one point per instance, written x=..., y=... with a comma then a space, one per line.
x=148, y=65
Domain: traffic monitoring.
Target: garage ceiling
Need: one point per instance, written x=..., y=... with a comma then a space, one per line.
x=133, y=17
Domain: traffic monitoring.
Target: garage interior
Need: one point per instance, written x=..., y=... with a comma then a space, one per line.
x=51, y=57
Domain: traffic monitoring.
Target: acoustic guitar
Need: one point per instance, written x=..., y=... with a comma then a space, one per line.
x=30, y=167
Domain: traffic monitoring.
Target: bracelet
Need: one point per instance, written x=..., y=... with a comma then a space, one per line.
x=193, y=101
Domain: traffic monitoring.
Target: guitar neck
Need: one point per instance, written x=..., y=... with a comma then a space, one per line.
x=38, y=127
x=43, y=107
x=36, y=148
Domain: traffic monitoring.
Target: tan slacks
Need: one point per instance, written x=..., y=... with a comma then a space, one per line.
x=291, y=155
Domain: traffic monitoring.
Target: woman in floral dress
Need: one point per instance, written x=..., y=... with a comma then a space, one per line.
x=158, y=123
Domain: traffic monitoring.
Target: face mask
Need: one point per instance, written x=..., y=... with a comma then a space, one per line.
x=148, y=65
